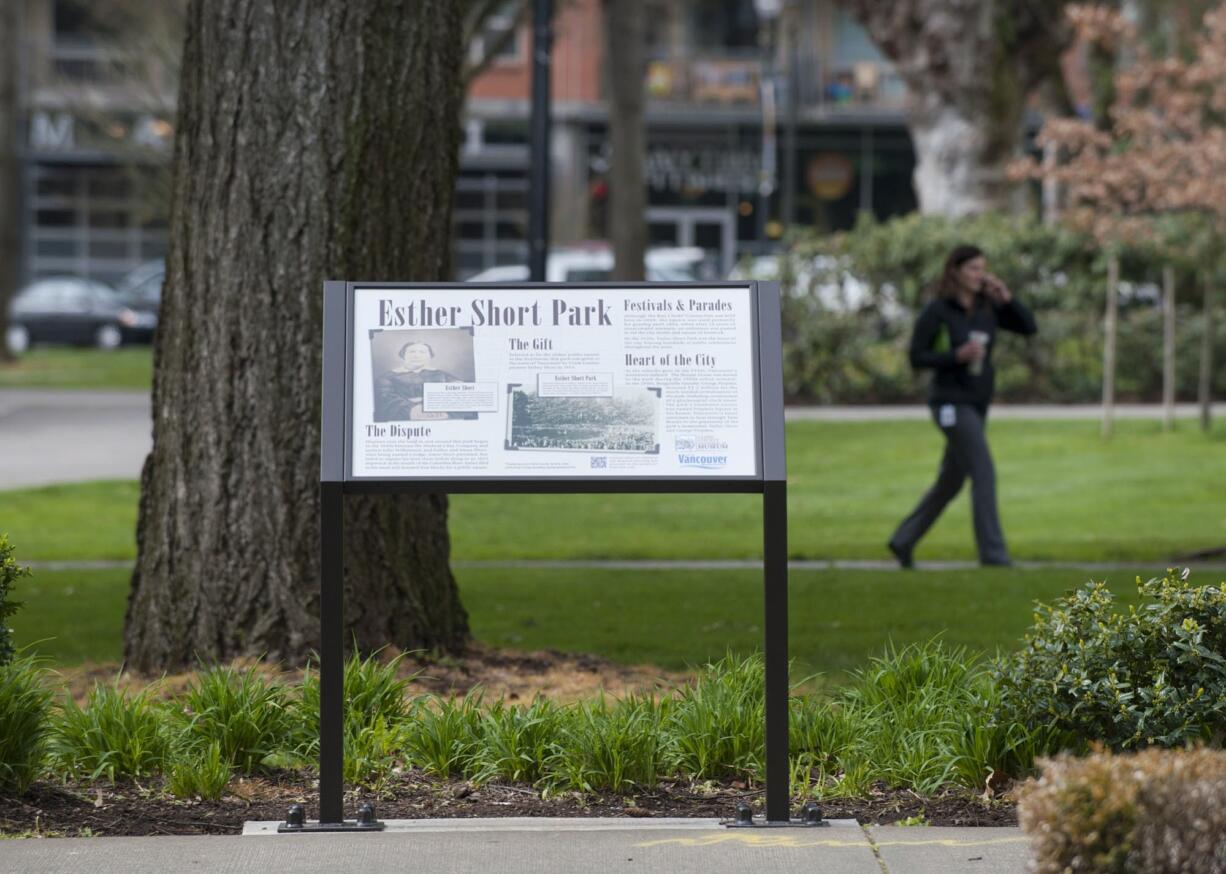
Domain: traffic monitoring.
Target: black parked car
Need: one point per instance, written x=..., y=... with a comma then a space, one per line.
x=67, y=309
x=144, y=283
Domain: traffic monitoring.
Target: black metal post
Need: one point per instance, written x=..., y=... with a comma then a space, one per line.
x=331, y=653
x=775, y=547
x=538, y=207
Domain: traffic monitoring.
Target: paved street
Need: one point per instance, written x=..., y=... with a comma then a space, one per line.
x=545, y=846
x=53, y=436
x=69, y=436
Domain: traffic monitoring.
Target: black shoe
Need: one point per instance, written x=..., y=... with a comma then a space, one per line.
x=1005, y=563
x=903, y=554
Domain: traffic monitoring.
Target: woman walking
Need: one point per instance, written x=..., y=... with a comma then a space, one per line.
x=954, y=337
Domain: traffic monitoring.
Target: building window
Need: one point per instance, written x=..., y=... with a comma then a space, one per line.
x=72, y=22
x=87, y=221
x=717, y=25
x=499, y=38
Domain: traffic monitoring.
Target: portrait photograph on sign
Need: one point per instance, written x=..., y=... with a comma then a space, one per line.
x=407, y=362
x=567, y=381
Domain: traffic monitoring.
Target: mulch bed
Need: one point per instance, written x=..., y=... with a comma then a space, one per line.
x=142, y=808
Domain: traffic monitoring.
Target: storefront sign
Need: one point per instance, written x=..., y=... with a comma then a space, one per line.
x=705, y=168
x=829, y=175
x=539, y=383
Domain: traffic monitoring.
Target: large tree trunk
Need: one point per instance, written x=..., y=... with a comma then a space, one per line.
x=315, y=140
x=10, y=170
x=625, y=29
x=969, y=66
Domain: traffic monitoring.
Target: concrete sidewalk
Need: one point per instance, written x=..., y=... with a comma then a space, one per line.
x=548, y=846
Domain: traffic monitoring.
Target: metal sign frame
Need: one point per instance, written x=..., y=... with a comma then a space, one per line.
x=336, y=481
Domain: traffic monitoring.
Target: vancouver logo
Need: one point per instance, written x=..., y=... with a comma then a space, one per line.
x=705, y=452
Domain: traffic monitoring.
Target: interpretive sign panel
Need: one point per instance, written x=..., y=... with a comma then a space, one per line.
x=456, y=382
x=521, y=389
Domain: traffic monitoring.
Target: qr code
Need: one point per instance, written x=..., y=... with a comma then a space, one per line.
x=599, y=462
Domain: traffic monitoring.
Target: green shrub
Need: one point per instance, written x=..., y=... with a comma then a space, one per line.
x=25, y=707
x=114, y=735
x=245, y=714
x=1156, y=811
x=836, y=354
x=715, y=727
x=1155, y=675
x=197, y=772
x=443, y=734
x=610, y=747
x=516, y=741
x=922, y=717
x=10, y=573
x=371, y=752
x=374, y=691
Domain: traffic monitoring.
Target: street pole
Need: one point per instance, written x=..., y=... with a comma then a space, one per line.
x=538, y=182
x=768, y=14
x=788, y=205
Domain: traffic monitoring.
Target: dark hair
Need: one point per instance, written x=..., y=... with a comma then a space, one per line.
x=947, y=285
x=415, y=343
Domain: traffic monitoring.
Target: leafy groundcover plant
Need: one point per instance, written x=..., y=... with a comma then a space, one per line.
x=25, y=707
x=1154, y=676
x=921, y=718
x=10, y=573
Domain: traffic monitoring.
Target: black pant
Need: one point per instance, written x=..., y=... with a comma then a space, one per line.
x=966, y=454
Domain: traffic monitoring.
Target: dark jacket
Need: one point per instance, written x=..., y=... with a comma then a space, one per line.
x=943, y=326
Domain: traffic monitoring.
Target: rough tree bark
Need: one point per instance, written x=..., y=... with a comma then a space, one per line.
x=626, y=40
x=315, y=140
x=969, y=66
x=10, y=170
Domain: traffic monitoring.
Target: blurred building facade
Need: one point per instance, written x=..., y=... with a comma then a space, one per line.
x=96, y=123
x=838, y=113
x=97, y=110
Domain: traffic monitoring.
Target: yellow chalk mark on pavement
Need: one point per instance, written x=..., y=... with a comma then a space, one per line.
x=755, y=839
x=951, y=842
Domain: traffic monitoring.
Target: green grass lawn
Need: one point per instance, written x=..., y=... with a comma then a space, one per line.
x=1065, y=495
x=672, y=619
x=130, y=367
x=72, y=522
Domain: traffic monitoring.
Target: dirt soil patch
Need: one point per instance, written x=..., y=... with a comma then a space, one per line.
x=143, y=808
x=497, y=673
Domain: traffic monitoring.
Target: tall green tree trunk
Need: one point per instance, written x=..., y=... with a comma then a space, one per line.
x=316, y=140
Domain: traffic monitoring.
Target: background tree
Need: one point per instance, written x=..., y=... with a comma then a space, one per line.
x=315, y=140
x=970, y=67
x=1162, y=157
x=10, y=169
x=625, y=51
